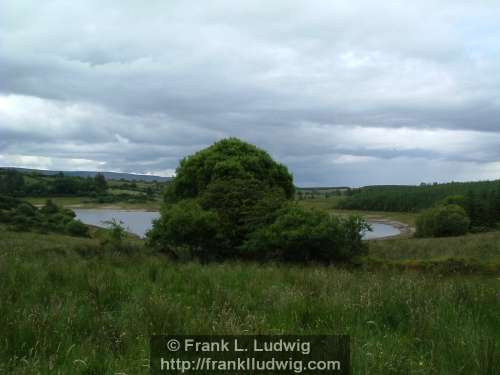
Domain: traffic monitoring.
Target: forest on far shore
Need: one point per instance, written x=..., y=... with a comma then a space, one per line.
x=480, y=200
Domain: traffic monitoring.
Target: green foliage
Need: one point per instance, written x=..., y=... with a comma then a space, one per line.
x=229, y=159
x=116, y=231
x=114, y=240
x=15, y=183
x=26, y=209
x=77, y=228
x=11, y=183
x=95, y=189
x=49, y=207
x=300, y=234
x=442, y=221
x=481, y=200
x=8, y=202
x=459, y=200
x=186, y=224
x=100, y=183
x=241, y=206
x=413, y=198
x=23, y=216
x=220, y=195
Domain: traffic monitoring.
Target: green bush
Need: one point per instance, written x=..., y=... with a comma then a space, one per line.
x=300, y=234
x=219, y=196
x=7, y=203
x=114, y=240
x=21, y=223
x=442, y=221
x=459, y=200
x=49, y=207
x=23, y=216
x=187, y=224
x=26, y=209
x=77, y=228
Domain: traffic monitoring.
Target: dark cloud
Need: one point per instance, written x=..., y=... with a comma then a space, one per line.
x=342, y=92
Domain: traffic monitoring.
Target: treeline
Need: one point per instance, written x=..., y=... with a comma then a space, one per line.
x=414, y=198
x=14, y=183
x=480, y=200
x=315, y=193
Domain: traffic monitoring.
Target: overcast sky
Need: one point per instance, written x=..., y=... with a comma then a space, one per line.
x=342, y=92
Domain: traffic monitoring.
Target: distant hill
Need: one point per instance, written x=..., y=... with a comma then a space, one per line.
x=107, y=175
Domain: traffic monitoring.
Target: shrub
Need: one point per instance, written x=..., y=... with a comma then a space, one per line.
x=49, y=207
x=26, y=217
x=4, y=216
x=26, y=209
x=77, y=228
x=459, y=200
x=114, y=240
x=186, y=224
x=21, y=223
x=300, y=234
x=442, y=221
x=7, y=203
x=67, y=212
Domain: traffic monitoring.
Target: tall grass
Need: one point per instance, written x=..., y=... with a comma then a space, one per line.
x=63, y=313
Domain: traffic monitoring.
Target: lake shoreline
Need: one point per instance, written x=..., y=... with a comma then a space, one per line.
x=405, y=230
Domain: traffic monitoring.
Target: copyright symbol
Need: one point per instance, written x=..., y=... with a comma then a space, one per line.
x=173, y=345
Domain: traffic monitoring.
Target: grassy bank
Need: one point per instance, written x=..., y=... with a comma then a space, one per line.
x=465, y=254
x=85, y=202
x=330, y=205
x=63, y=312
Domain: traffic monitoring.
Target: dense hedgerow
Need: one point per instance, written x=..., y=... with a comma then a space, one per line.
x=481, y=200
x=226, y=197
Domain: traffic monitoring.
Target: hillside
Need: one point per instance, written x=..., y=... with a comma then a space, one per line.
x=107, y=175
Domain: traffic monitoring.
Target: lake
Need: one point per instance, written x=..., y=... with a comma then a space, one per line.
x=381, y=230
x=139, y=222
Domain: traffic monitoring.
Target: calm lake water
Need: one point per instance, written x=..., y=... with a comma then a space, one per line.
x=139, y=222
x=381, y=230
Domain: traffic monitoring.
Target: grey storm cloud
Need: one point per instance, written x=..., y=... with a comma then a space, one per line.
x=344, y=92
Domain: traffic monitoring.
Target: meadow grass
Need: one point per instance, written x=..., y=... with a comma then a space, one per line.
x=66, y=312
x=330, y=205
x=472, y=253
x=483, y=247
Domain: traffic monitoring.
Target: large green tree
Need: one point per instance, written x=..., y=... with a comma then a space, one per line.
x=219, y=196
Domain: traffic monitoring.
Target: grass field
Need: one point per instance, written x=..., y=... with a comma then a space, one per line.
x=465, y=254
x=63, y=311
x=329, y=204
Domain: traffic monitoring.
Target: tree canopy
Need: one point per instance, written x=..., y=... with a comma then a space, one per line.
x=228, y=160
